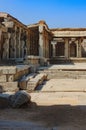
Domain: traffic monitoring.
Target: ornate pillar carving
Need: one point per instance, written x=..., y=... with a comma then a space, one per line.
x=41, y=54
x=6, y=47
x=78, y=43
x=13, y=44
x=23, y=44
x=79, y=48
x=54, y=47
x=66, y=48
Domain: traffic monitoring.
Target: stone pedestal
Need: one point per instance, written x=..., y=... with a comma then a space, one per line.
x=33, y=61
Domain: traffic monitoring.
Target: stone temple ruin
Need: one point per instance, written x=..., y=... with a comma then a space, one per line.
x=23, y=49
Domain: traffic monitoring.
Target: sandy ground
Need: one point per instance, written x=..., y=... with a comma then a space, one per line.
x=51, y=110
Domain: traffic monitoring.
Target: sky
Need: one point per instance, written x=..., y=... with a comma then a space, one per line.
x=56, y=13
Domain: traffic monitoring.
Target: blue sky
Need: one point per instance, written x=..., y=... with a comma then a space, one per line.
x=56, y=13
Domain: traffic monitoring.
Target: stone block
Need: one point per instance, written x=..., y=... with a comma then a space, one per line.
x=3, y=78
x=9, y=71
x=34, y=82
x=8, y=87
x=0, y=71
x=19, y=98
x=12, y=70
x=24, y=80
x=10, y=78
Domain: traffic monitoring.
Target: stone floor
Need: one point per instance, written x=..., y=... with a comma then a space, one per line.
x=67, y=66
x=63, y=85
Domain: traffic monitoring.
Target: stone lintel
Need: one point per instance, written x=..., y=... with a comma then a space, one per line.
x=69, y=33
x=9, y=24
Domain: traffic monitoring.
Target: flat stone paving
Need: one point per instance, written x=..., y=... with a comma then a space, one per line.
x=67, y=66
x=59, y=98
x=64, y=85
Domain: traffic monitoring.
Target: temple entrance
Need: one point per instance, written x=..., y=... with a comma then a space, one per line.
x=60, y=49
x=73, y=50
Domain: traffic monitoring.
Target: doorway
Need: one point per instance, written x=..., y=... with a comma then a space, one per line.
x=60, y=48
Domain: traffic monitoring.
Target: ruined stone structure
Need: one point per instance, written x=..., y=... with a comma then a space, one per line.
x=14, y=39
x=69, y=42
x=17, y=41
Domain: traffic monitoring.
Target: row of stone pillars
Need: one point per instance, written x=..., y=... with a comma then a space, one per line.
x=14, y=44
x=67, y=47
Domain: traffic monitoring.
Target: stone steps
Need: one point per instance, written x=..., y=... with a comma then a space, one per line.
x=64, y=74
x=64, y=85
x=23, y=81
x=9, y=76
x=30, y=82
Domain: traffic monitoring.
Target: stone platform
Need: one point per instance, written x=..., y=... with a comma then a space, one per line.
x=72, y=71
x=64, y=60
x=9, y=76
x=64, y=78
x=64, y=85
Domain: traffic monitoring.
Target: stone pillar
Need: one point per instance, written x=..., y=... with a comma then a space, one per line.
x=41, y=41
x=6, y=47
x=18, y=33
x=66, y=48
x=78, y=43
x=79, y=48
x=22, y=48
x=54, y=47
x=47, y=48
x=23, y=44
x=15, y=43
x=19, y=40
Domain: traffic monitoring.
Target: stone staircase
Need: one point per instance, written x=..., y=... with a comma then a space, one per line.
x=9, y=76
x=64, y=78
x=31, y=81
x=64, y=73
x=13, y=78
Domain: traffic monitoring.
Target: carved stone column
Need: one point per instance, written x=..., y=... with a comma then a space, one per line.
x=66, y=48
x=13, y=44
x=14, y=38
x=78, y=43
x=54, y=47
x=6, y=47
x=18, y=42
x=23, y=46
x=41, y=40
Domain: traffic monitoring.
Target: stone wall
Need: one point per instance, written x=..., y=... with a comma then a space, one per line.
x=14, y=39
